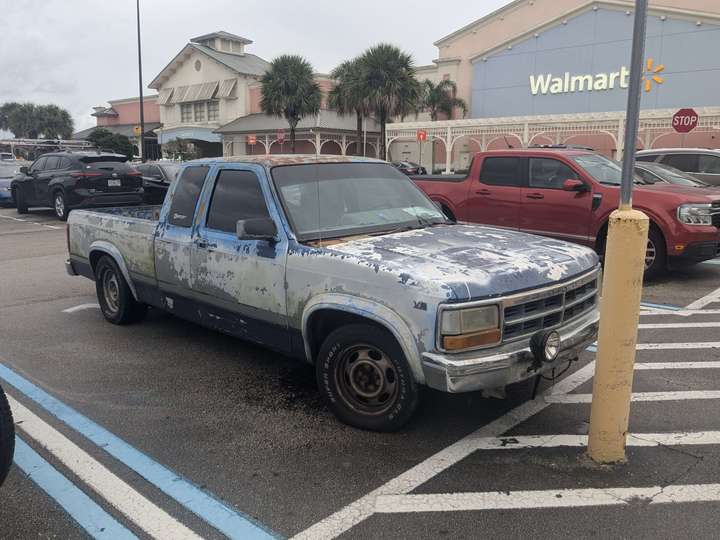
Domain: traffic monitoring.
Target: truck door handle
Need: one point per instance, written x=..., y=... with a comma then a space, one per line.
x=204, y=244
x=483, y=192
x=535, y=196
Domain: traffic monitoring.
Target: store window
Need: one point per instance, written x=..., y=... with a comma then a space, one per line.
x=199, y=111
x=213, y=111
x=186, y=112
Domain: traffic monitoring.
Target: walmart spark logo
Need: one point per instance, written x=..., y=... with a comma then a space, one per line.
x=651, y=74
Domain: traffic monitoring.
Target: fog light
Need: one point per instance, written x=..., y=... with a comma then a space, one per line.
x=545, y=346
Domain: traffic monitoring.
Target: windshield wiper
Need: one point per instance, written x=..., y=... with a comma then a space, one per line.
x=393, y=231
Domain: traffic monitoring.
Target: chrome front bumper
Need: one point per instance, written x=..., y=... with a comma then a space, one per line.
x=507, y=364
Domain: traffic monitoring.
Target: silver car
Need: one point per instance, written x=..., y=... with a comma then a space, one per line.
x=701, y=163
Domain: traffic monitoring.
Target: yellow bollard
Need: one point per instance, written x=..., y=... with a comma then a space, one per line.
x=619, y=316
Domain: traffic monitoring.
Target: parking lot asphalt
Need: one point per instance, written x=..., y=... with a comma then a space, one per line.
x=164, y=429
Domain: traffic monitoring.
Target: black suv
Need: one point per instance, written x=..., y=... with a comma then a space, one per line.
x=67, y=180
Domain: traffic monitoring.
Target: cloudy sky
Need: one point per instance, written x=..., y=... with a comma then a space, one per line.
x=80, y=53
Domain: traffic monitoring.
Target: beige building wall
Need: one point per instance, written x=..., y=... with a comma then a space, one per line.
x=210, y=70
x=520, y=17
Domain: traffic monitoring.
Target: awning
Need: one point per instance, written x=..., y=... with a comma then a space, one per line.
x=164, y=96
x=192, y=133
x=195, y=92
x=226, y=88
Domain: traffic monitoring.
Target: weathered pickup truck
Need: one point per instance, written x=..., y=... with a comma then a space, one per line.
x=345, y=263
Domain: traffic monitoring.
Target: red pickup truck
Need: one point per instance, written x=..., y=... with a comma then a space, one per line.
x=569, y=194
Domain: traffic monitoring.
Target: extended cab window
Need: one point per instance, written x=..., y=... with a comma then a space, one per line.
x=684, y=162
x=237, y=195
x=185, y=198
x=502, y=171
x=548, y=173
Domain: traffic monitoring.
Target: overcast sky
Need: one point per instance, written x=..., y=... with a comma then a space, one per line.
x=80, y=53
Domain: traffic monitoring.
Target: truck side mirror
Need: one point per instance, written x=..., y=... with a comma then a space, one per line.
x=257, y=229
x=574, y=185
x=24, y=170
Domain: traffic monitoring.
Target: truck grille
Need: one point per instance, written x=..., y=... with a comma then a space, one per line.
x=525, y=315
x=715, y=210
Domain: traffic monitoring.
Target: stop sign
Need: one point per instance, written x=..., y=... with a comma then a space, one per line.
x=685, y=120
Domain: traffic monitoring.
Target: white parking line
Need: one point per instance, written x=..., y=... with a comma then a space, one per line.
x=363, y=508
x=681, y=312
x=679, y=325
x=146, y=515
x=678, y=365
x=642, y=396
x=675, y=346
x=705, y=300
x=556, y=498
x=683, y=438
x=81, y=307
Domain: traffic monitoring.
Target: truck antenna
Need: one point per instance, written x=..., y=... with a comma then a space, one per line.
x=506, y=142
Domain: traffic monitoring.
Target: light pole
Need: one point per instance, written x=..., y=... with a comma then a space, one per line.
x=622, y=287
x=140, y=84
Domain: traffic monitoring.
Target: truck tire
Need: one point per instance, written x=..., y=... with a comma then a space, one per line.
x=656, y=255
x=116, y=300
x=7, y=437
x=59, y=205
x=364, y=377
x=20, y=204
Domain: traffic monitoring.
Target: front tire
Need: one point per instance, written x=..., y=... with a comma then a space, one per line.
x=364, y=377
x=655, y=255
x=59, y=205
x=116, y=300
x=7, y=437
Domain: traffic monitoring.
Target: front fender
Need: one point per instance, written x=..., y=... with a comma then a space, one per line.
x=109, y=249
x=374, y=311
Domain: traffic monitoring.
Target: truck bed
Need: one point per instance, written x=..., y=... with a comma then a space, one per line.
x=129, y=229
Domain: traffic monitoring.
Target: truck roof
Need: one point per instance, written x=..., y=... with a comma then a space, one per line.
x=539, y=150
x=274, y=160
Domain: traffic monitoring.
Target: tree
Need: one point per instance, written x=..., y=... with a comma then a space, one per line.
x=389, y=85
x=348, y=96
x=30, y=121
x=106, y=140
x=441, y=98
x=289, y=91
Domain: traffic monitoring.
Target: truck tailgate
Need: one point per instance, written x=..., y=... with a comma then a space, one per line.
x=130, y=230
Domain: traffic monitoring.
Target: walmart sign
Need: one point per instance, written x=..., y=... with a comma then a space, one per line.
x=550, y=84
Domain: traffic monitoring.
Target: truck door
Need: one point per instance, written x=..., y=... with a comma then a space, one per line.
x=242, y=282
x=496, y=198
x=549, y=210
x=174, y=237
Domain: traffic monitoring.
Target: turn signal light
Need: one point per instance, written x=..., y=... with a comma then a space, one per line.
x=679, y=247
x=469, y=341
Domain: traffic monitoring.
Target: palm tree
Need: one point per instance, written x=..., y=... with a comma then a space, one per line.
x=389, y=84
x=347, y=96
x=289, y=91
x=441, y=97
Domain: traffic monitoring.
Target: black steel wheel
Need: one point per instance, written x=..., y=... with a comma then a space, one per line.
x=116, y=300
x=364, y=377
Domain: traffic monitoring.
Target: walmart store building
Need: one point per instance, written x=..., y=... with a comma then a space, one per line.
x=567, y=61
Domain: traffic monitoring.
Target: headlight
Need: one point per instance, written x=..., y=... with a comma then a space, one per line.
x=470, y=328
x=695, y=214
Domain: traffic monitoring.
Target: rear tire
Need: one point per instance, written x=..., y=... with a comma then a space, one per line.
x=116, y=300
x=59, y=205
x=364, y=377
x=7, y=437
x=20, y=204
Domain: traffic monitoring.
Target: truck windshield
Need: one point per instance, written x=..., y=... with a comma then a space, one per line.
x=602, y=169
x=331, y=200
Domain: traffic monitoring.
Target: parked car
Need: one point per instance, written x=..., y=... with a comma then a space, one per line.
x=701, y=163
x=157, y=177
x=652, y=173
x=67, y=180
x=7, y=437
x=7, y=156
x=569, y=194
x=8, y=171
x=345, y=263
x=409, y=168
